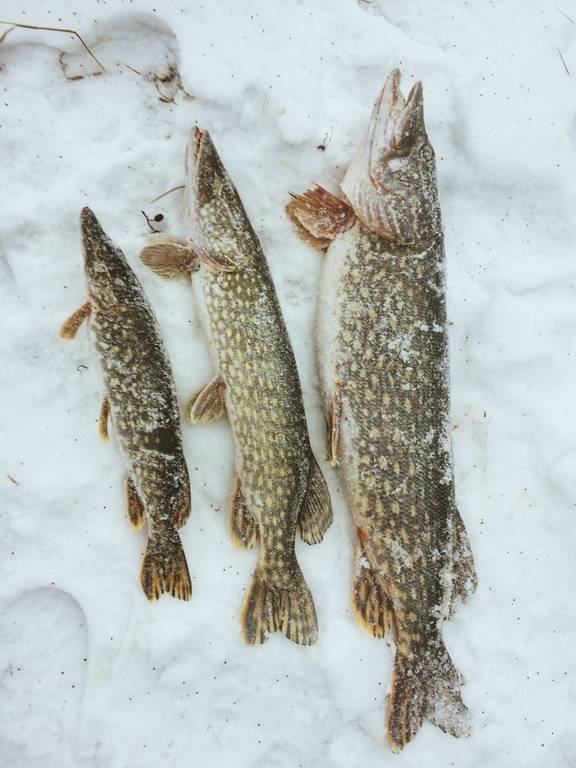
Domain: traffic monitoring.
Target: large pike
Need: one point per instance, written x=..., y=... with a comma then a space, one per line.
x=384, y=371
x=140, y=400
x=279, y=486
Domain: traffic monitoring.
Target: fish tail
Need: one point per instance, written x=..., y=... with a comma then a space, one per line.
x=425, y=685
x=164, y=567
x=270, y=606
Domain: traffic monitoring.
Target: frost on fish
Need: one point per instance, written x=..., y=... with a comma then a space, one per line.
x=279, y=487
x=140, y=400
x=384, y=371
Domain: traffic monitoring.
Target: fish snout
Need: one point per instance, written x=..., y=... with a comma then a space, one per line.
x=391, y=182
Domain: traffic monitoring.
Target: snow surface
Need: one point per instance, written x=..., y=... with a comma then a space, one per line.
x=93, y=675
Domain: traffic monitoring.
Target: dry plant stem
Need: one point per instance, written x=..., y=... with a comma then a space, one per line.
x=133, y=70
x=56, y=29
x=563, y=61
x=5, y=35
x=180, y=186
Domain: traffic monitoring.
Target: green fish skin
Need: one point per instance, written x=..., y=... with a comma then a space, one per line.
x=140, y=400
x=383, y=361
x=279, y=486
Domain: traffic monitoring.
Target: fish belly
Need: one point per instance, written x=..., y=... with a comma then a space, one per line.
x=383, y=314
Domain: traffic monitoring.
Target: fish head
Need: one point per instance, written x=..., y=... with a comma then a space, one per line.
x=391, y=183
x=110, y=280
x=219, y=228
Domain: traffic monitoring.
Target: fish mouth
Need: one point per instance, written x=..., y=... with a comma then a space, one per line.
x=385, y=178
x=202, y=168
x=92, y=233
x=396, y=125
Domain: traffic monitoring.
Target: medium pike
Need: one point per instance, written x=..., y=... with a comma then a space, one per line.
x=141, y=401
x=384, y=371
x=279, y=486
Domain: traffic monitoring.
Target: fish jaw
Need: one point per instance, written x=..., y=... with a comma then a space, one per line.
x=218, y=226
x=391, y=182
x=110, y=280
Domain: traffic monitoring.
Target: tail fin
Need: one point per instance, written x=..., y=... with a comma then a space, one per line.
x=425, y=685
x=164, y=568
x=269, y=606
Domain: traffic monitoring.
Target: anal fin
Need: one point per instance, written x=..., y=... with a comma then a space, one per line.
x=134, y=505
x=242, y=525
x=207, y=404
x=371, y=606
x=316, y=512
x=464, y=575
x=71, y=326
x=182, y=512
x=103, y=420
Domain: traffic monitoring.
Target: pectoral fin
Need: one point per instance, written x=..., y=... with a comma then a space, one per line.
x=169, y=257
x=316, y=513
x=207, y=404
x=319, y=216
x=71, y=326
x=103, y=420
x=242, y=525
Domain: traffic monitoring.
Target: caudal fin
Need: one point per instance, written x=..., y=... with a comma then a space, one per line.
x=425, y=685
x=269, y=607
x=164, y=568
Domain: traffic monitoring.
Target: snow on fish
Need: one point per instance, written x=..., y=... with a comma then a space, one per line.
x=279, y=487
x=383, y=358
x=140, y=400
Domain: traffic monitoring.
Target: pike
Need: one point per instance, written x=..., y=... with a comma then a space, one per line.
x=383, y=361
x=140, y=400
x=278, y=486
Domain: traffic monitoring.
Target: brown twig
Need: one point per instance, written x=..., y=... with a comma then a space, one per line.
x=163, y=97
x=12, y=479
x=180, y=186
x=564, y=14
x=134, y=70
x=5, y=35
x=563, y=62
x=56, y=29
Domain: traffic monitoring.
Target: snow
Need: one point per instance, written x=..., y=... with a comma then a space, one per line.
x=92, y=675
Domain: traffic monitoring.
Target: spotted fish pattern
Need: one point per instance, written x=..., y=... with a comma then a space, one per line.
x=384, y=369
x=140, y=400
x=279, y=487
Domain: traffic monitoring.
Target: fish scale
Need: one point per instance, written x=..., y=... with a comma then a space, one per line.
x=279, y=487
x=140, y=400
x=273, y=456
x=383, y=359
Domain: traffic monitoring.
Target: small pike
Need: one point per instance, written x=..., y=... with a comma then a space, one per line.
x=141, y=402
x=384, y=368
x=278, y=486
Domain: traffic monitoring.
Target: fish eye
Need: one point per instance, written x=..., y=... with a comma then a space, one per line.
x=426, y=152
